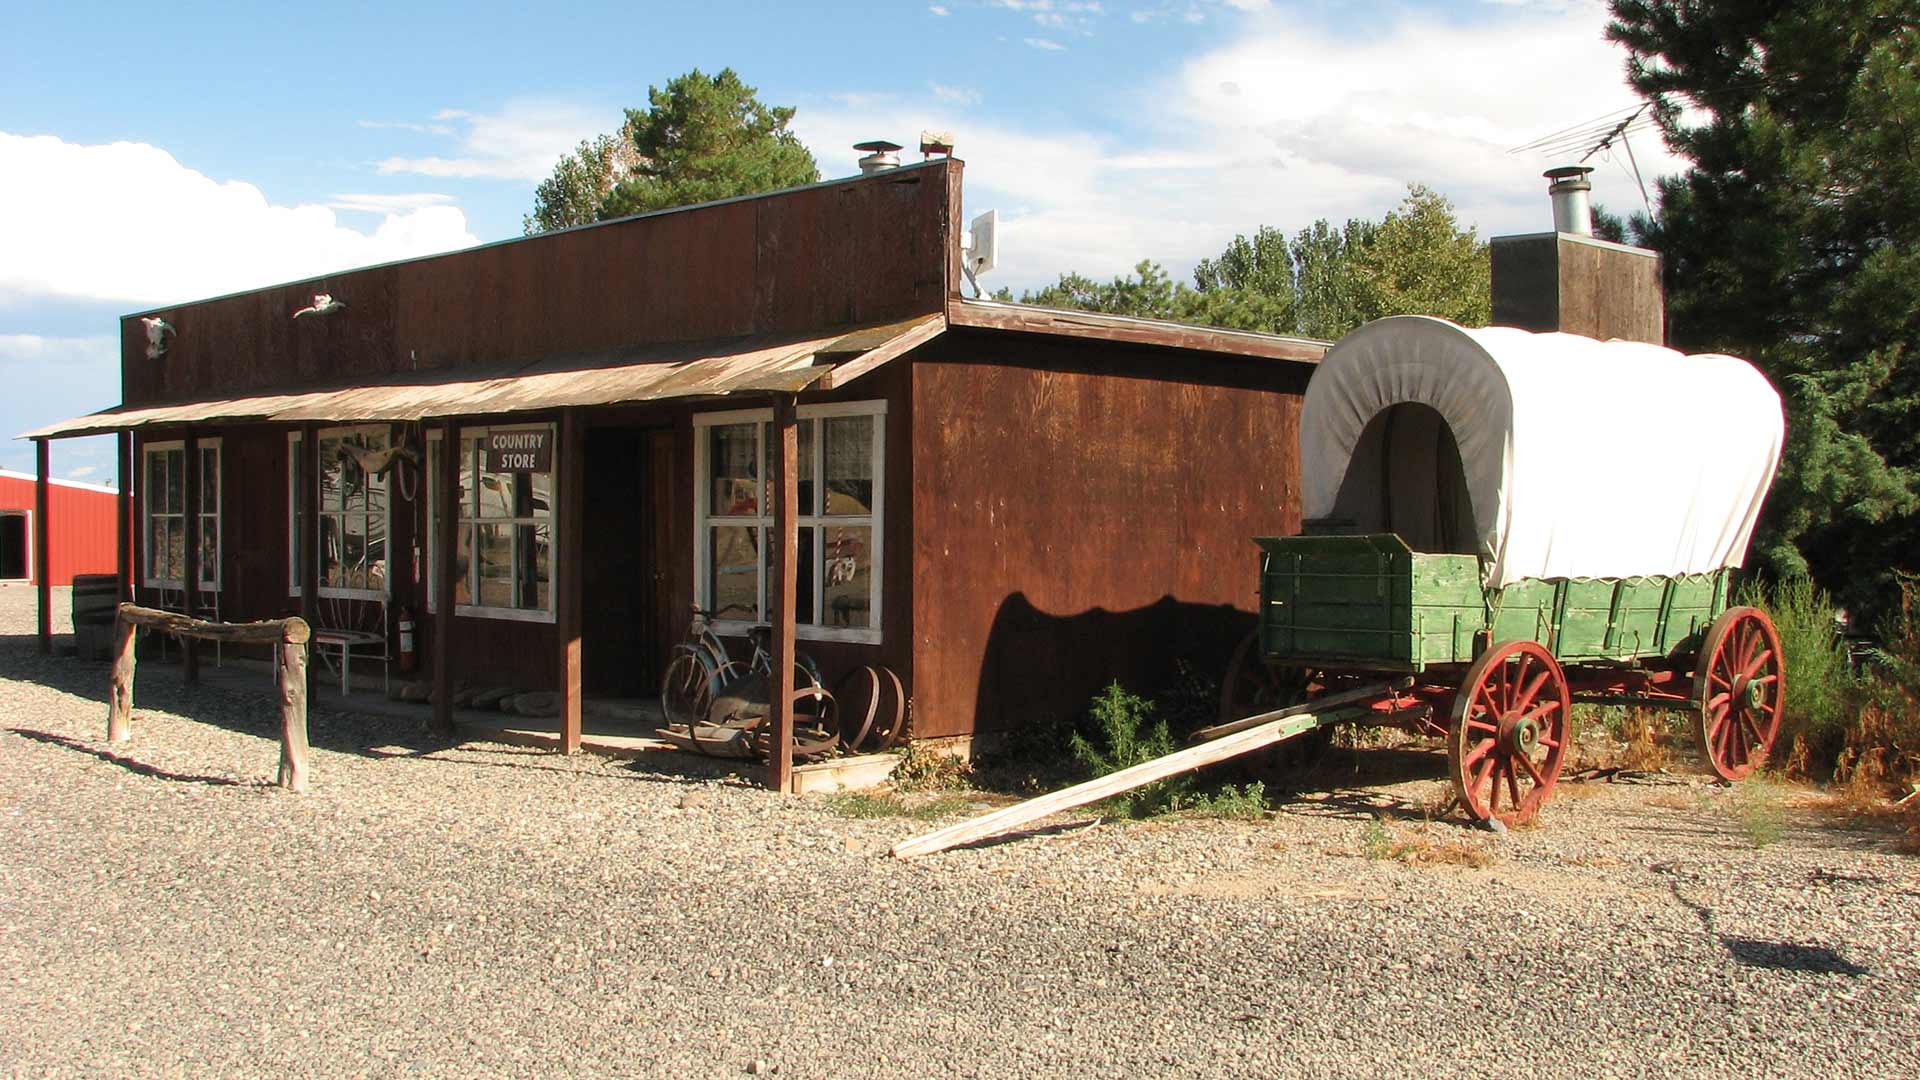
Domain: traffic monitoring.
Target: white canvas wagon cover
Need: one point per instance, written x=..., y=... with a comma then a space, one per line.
x=1575, y=457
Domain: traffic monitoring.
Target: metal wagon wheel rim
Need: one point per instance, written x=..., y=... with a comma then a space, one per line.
x=865, y=726
x=1740, y=685
x=1508, y=736
x=1252, y=686
x=684, y=690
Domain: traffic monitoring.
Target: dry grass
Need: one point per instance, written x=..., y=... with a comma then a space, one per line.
x=1384, y=838
x=1646, y=738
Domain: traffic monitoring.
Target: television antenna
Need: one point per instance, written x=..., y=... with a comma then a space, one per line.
x=1598, y=135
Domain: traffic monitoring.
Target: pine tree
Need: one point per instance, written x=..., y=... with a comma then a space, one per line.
x=1793, y=240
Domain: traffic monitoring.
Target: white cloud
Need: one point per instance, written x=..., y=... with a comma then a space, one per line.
x=401, y=203
x=938, y=10
x=126, y=222
x=1282, y=125
x=520, y=142
x=1044, y=44
x=954, y=95
x=82, y=472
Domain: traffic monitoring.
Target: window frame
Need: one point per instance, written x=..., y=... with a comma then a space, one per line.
x=147, y=514
x=875, y=519
x=342, y=592
x=466, y=517
x=26, y=517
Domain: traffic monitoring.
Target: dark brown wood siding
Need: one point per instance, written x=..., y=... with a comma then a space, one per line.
x=864, y=250
x=1083, y=513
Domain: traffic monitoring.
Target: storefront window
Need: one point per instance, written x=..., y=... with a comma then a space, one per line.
x=352, y=526
x=504, y=547
x=164, y=505
x=837, y=586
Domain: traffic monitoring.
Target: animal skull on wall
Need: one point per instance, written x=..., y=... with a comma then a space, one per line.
x=157, y=331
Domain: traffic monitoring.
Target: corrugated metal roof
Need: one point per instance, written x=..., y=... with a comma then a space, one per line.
x=641, y=373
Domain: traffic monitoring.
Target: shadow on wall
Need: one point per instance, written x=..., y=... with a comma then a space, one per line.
x=1040, y=666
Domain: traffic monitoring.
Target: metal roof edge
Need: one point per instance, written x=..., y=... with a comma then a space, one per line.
x=910, y=167
x=1070, y=322
x=57, y=482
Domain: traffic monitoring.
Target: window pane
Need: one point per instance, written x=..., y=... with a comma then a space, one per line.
x=533, y=549
x=376, y=561
x=210, y=549
x=176, y=499
x=176, y=548
x=353, y=551
x=209, y=479
x=469, y=477
x=734, y=578
x=804, y=568
x=847, y=565
x=540, y=489
x=736, y=476
x=155, y=497
x=156, y=547
x=462, y=565
x=807, y=505
x=849, y=465
x=496, y=566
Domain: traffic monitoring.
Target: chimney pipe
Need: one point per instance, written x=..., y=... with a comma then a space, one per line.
x=881, y=155
x=1572, y=212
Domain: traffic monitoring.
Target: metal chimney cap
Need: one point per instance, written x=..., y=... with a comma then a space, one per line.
x=882, y=146
x=1564, y=177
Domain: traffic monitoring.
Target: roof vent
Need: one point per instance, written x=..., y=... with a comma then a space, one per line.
x=1572, y=212
x=881, y=155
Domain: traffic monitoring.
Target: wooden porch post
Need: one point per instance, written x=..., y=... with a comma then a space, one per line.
x=123, y=527
x=307, y=521
x=190, y=571
x=446, y=519
x=42, y=568
x=780, y=594
x=570, y=468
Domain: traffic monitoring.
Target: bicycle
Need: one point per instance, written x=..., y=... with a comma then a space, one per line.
x=703, y=672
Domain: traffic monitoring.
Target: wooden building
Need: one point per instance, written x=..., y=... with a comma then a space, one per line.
x=1006, y=505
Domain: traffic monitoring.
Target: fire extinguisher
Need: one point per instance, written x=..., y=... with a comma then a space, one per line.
x=407, y=656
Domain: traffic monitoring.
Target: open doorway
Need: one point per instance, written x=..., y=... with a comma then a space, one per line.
x=15, y=564
x=627, y=529
x=1405, y=476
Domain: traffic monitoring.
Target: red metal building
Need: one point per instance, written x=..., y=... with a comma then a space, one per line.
x=82, y=536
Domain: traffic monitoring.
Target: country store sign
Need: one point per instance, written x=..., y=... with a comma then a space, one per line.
x=526, y=451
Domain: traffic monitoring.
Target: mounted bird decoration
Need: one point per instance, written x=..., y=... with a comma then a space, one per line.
x=157, y=331
x=323, y=304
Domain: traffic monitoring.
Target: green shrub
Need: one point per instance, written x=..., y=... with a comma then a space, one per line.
x=1126, y=733
x=1232, y=803
x=1822, y=691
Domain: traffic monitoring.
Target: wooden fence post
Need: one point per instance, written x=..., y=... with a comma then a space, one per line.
x=291, y=668
x=120, y=695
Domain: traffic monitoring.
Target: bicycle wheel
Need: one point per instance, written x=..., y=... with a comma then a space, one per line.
x=685, y=691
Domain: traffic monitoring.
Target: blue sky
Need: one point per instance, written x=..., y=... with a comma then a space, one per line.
x=152, y=155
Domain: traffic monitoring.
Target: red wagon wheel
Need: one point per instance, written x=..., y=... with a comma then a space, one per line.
x=1740, y=682
x=1252, y=686
x=1508, y=737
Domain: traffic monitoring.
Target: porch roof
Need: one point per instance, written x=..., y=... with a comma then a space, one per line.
x=638, y=373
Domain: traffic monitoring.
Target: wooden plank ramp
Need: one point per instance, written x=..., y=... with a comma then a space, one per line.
x=1236, y=738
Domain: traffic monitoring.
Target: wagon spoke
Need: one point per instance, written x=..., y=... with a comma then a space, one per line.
x=1479, y=751
x=1493, y=792
x=1508, y=682
x=1533, y=770
x=1718, y=700
x=1540, y=711
x=1532, y=691
x=1482, y=725
x=1513, y=784
x=1758, y=662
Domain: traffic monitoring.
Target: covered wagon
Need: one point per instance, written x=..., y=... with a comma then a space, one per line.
x=1510, y=522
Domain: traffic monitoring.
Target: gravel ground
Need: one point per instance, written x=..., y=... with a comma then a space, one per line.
x=484, y=910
